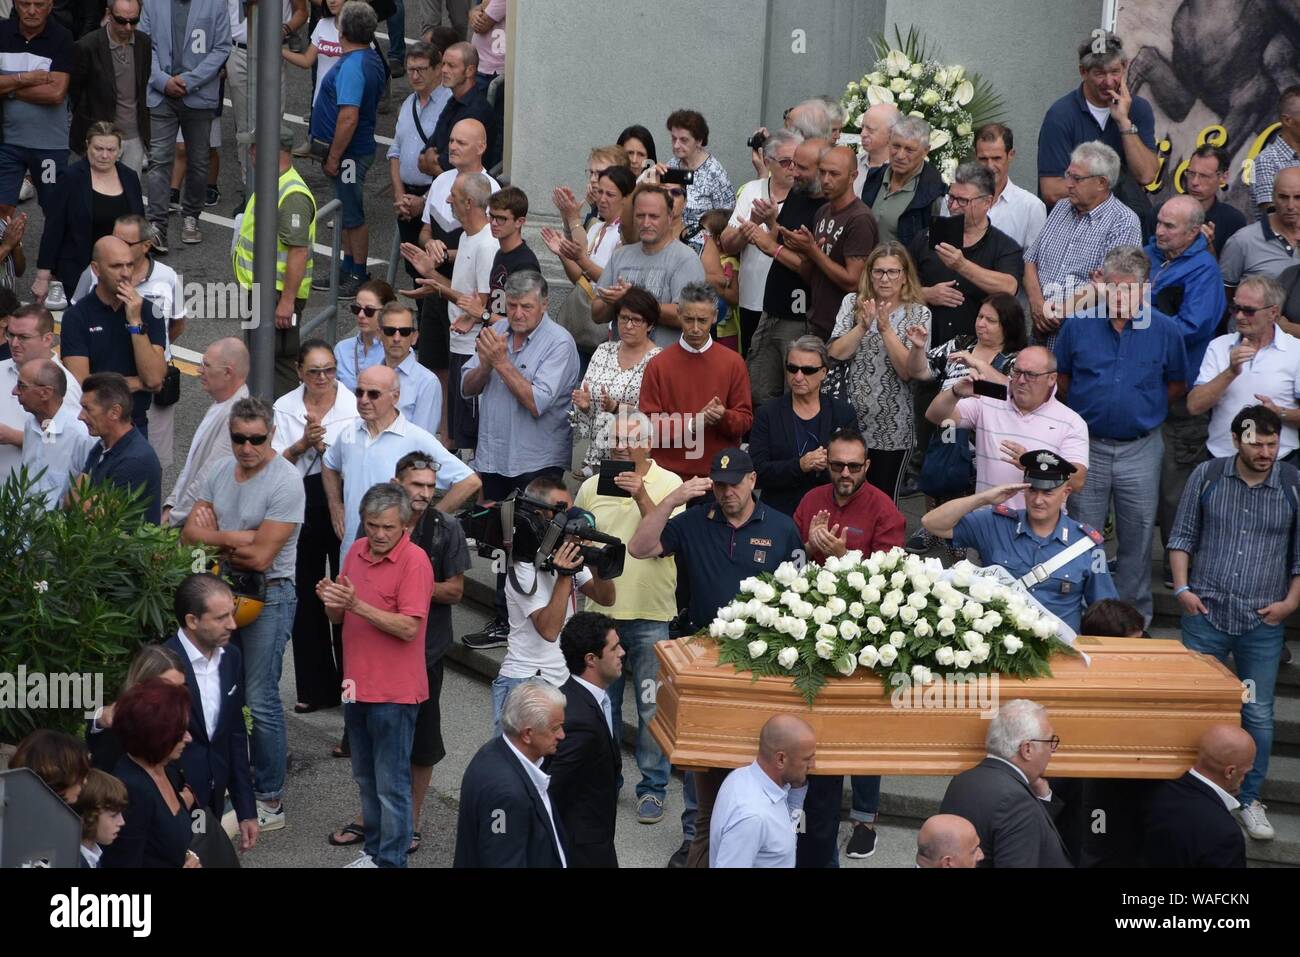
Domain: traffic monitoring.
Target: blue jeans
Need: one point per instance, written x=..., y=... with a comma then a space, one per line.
x=638, y=637
x=866, y=798
x=1127, y=473
x=349, y=189
x=263, y=644
x=380, y=736
x=1256, y=655
x=44, y=166
x=501, y=687
x=397, y=34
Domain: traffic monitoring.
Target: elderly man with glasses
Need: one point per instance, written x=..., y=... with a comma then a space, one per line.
x=421, y=393
x=30, y=335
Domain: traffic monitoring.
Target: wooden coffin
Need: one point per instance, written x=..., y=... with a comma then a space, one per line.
x=1136, y=712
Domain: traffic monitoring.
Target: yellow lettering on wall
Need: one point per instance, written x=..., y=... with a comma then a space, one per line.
x=1162, y=152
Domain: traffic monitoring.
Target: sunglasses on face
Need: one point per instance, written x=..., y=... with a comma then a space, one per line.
x=323, y=372
x=1248, y=311
x=366, y=310
x=853, y=467
x=371, y=394
x=397, y=331
x=791, y=368
x=238, y=438
x=126, y=21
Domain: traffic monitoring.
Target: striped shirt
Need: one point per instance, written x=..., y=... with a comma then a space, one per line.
x=1275, y=157
x=1242, y=541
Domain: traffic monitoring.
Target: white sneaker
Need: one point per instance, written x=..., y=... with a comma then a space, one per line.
x=365, y=860
x=269, y=820
x=1253, y=820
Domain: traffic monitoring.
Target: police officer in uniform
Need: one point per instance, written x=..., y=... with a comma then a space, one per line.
x=1060, y=560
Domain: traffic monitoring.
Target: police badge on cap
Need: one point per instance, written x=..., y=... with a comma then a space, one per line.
x=1046, y=470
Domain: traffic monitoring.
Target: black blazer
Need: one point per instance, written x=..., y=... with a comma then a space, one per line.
x=92, y=93
x=213, y=768
x=584, y=780
x=1188, y=826
x=68, y=241
x=916, y=217
x=774, y=447
x=502, y=820
x=151, y=835
x=1016, y=829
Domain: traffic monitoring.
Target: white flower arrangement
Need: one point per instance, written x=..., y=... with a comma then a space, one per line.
x=931, y=622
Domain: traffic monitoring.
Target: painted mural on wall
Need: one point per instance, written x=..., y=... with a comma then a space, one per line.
x=1212, y=70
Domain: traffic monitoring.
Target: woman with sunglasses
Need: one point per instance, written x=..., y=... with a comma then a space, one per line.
x=613, y=378
x=789, y=439
x=357, y=353
x=307, y=421
x=871, y=336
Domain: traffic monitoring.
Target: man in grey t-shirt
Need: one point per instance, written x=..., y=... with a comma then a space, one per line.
x=658, y=264
x=251, y=508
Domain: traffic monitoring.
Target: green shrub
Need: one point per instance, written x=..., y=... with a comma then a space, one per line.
x=80, y=591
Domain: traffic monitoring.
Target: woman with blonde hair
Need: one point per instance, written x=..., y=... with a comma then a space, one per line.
x=871, y=340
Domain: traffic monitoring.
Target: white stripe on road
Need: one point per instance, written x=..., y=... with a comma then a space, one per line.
x=301, y=121
x=323, y=250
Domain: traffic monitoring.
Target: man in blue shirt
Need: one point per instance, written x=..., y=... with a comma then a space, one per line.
x=1120, y=369
x=122, y=456
x=1187, y=286
x=1102, y=108
x=343, y=116
x=1025, y=541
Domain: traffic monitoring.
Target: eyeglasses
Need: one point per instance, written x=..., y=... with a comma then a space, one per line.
x=853, y=467
x=1079, y=179
x=632, y=320
x=126, y=21
x=886, y=273
x=24, y=386
x=501, y=220
x=1027, y=376
x=958, y=202
x=397, y=331
x=325, y=372
x=785, y=163
x=1248, y=311
x=791, y=368
x=1053, y=742
x=16, y=337
x=240, y=439
x=371, y=394
x=419, y=69
x=421, y=464
x=367, y=310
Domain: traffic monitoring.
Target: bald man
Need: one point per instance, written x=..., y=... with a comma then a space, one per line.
x=876, y=124
x=55, y=440
x=835, y=250
x=467, y=145
x=224, y=377
x=756, y=816
x=116, y=330
x=1190, y=821
x=947, y=840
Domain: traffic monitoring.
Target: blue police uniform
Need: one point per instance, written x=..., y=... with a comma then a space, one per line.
x=1003, y=537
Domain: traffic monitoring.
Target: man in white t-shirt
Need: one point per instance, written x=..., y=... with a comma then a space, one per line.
x=471, y=282
x=540, y=603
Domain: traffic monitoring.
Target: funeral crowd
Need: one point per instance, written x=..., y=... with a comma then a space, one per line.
x=754, y=367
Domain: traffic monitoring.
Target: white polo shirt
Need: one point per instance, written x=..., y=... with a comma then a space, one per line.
x=1274, y=372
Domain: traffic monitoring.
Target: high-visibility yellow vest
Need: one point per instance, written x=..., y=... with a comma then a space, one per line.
x=242, y=252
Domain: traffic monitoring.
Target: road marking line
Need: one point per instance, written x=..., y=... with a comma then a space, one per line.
x=323, y=250
x=302, y=121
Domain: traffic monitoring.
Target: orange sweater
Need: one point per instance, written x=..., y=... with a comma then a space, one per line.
x=679, y=384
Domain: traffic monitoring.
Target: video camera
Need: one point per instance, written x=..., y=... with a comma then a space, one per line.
x=520, y=528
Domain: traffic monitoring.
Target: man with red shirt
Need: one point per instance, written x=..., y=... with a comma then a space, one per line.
x=848, y=513
x=381, y=597
x=696, y=395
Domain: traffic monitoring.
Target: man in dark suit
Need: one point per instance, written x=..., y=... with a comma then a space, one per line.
x=506, y=816
x=1189, y=820
x=1006, y=796
x=215, y=762
x=106, y=61
x=586, y=766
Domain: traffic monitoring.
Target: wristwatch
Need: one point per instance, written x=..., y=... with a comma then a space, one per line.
x=486, y=317
x=135, y=330
x=1131, y=131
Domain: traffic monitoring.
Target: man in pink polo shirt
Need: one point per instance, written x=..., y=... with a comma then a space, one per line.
x=1030, y=417
x=381, y=597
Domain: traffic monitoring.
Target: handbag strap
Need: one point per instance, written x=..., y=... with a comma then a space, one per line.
x=419, y=127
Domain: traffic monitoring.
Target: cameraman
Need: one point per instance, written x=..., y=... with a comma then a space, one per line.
x=539, y=603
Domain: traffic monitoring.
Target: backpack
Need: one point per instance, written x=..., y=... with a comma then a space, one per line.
x=1289, y=476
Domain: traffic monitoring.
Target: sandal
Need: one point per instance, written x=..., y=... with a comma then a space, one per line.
x=415, y=842
x=354, y=834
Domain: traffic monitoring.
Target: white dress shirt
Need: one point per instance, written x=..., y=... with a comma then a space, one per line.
x=92, y=854
x=542, y=781
x=291, y=424
x=1230, y=802
x=708, y=344
x=754, y=821
x=602, y=699
x=207, y=675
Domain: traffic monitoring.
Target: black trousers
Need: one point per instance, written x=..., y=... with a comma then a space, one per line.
x=748, y=323
x=317, y=644
x=887, y=470
x=818, y=844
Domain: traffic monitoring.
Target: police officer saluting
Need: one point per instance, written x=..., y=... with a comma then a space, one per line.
x=1060, y=560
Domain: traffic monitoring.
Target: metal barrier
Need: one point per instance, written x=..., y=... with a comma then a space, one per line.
x=395, y=255
x=329, y=213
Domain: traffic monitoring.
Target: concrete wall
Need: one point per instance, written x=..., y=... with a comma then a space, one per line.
x=580, y=72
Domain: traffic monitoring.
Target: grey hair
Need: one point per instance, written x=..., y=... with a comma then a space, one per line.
x=1193, y=210
x=913, y=129
x=1269, y=289
x=1112, y=50
x=1099, y=159
x=357, y=22
x=811, y=119
x=529, y=705
x=477, y=187
x=423, y=51
x=695, y=292
x=779, y=138
x=1127, y=261
x=251, y=407
x=380, y=498
x=808, y=344
x=526, y=283
x=834, y=109
x=981, y=177
x=1015, y=723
